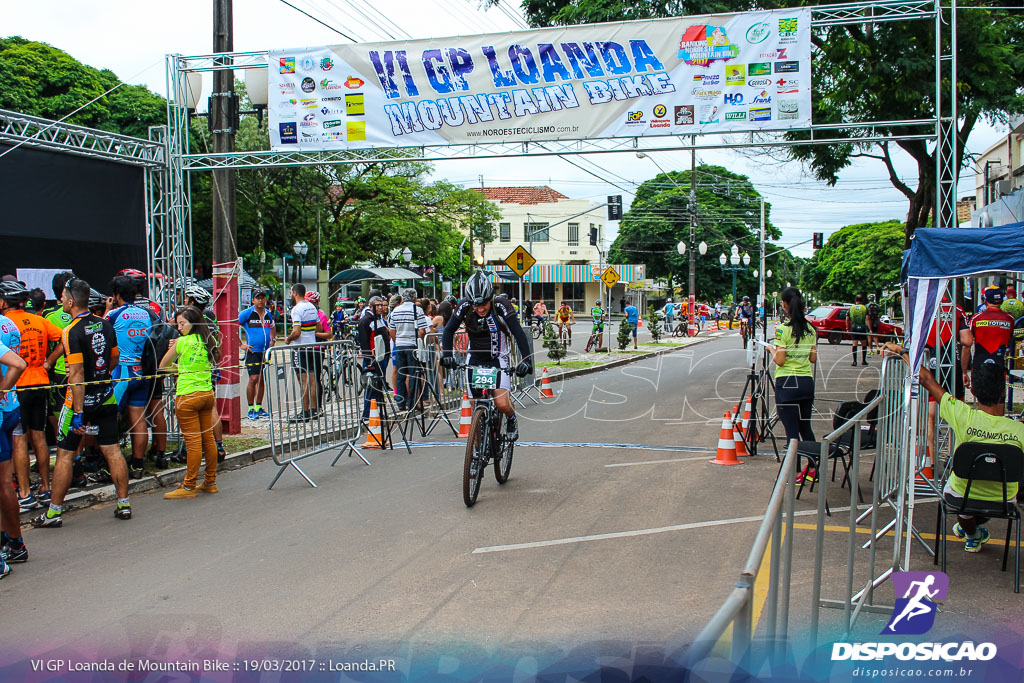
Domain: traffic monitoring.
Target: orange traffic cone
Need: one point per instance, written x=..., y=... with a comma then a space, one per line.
x=928, y=471
x=741, y=447
x=726, y=444
x=545, y=385
x=745, y=423
x=735, y=414
x=465, y=416
x=375, y=437
x=640, y=321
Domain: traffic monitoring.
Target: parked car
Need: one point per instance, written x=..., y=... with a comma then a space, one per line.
x=831, y=323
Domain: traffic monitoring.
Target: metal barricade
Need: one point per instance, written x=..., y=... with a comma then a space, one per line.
x=313, y=392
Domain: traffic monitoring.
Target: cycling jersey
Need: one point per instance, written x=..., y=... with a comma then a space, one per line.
x=993, y=334
x=305, y=315
x=858, y=315
x=61, y=319
x=132, y=324
x=597, y=313
x=948, y=328
x=92, y=342
x=10, y=340
x=746, y=311
x=488, y=336
x=563, y=314
x=874, y=313
x=258, y=328
x=36, y=333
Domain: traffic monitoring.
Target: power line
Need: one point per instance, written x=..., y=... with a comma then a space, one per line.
x=321, y=22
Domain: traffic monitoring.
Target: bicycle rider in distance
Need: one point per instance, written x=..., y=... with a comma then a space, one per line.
x=598, y=316
x=562, y=317
x=490, y=323
x=746, y=314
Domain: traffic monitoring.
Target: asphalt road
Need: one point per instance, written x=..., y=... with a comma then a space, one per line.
x=593, y=547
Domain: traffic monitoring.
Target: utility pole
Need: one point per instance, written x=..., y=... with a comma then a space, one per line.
x=223, y=119
x=692, y=322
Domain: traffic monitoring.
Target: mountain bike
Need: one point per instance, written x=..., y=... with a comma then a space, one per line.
x=594, y=341
x=336, y=372
x=486, y=440
x=563, y=334
x=746, y=331
x=536, y=327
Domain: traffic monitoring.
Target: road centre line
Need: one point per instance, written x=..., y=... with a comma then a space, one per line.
x=635, y=532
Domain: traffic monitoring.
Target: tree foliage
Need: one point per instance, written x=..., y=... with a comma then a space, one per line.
x=40, y=80
x=728, y=212
x=883, y=72
x=857, y=259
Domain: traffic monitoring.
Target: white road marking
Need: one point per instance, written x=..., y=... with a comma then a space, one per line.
x=658, y=462
x=637, y=532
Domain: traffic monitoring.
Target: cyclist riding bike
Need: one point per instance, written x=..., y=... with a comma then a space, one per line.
x=563, y=315
x=746, y=316
x=597, y=316
x=491, y=324
x=339, y=321
x=540, y=313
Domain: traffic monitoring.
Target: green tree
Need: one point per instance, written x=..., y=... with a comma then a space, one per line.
x=41, y=80
x=861, y=72
x=728, y=212
x=857, y=259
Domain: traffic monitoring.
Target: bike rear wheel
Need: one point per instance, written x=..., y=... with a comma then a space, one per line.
x=537, y=331
x=476, y=459
x=503, y=459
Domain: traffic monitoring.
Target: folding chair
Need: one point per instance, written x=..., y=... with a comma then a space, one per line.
x=841, y=449
x=984, y=462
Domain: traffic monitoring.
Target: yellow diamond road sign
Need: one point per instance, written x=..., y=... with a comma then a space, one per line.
x=520, y=261
x=610, y=277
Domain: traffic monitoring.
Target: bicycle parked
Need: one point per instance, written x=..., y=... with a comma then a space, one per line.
x=487, y=439
x=336, y=373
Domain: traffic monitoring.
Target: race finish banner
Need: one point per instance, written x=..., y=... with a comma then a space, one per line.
x=681, y=76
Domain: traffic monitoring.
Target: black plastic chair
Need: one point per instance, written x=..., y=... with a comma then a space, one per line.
x=973, y=462
x=841, y=449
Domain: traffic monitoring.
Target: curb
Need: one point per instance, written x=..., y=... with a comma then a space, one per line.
x=164, y=479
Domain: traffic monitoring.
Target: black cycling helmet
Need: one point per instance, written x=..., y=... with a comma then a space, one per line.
x=12, y=290
x=746, y=299
x=479, y=289
x=96, y=299
x=451, y=299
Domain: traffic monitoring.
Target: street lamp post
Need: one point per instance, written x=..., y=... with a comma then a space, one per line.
x=300, y=249
x=407, y=257
x=734, y=259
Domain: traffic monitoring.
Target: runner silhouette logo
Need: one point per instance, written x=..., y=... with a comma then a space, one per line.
x=914, y=612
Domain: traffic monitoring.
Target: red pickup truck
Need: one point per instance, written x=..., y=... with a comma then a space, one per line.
x=831, y=323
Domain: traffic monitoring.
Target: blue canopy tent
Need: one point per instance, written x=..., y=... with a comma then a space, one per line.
x=938, y=254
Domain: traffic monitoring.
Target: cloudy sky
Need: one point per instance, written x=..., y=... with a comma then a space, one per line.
x=131, y=38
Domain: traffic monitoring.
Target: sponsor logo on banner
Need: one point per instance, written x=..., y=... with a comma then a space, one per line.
x=704, y=94
x=354, y=105
x=788, y=29
x=759, y=82
x=781, y=53
x=326, y=64
x=734, y=99
x=308, y=63
x=759, y=69
x=288, y=103
x=308, y=84
x=353, y=83
x=761, y=114
x=659, y=111
x=762, y=98
x=917, y=595
x=703, y=44
x=287, y=88
x=336, y=135
x=659, y=120
x=287, y=65
x=328, y=84
x=634, y=118
x=309, y=136
x=684, y=115
x=327, y=111
x=288, y=132
x=735, y=116
x=709, y=113
x=735, y=74
x=308, y=102
x=334, y=123
x=789, y=109
x=356, y=130
x=338, y=98
x=787, y=85
x=787, y=67
x=287, y=113
x=706, y=79
x=759, y=32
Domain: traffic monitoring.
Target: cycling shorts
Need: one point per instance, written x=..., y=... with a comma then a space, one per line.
x=597, y=327
x=858, y=331
x=559, y=321
x=33, y=403
x=255, y=361
x=58, y=391
x=130, y=392
x=308, y=360
x=8, y=424
x=102, y=418
x=504, y=379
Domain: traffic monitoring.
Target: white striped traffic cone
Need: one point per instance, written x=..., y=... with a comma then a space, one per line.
x=375, y=437
x=745, y=423
x=545, y=385
x=726, y=444
x=737, y=437
x=465, y=416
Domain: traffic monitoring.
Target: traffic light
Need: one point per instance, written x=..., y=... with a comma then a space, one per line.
x=818, y=240
x=614, y=208
x=593, y=235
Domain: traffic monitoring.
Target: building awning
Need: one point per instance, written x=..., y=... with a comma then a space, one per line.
x=359, y=274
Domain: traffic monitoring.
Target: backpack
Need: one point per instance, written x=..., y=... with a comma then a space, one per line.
x=160, y=336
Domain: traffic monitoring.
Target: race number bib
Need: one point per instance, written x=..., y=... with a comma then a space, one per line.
x=484, y=378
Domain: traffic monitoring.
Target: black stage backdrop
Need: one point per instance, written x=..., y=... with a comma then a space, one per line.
x=65, y=211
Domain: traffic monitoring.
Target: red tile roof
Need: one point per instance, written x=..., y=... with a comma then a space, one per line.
x=521, y=195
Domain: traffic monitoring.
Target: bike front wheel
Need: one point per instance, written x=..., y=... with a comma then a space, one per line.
x=537, y=331
x=476, y=459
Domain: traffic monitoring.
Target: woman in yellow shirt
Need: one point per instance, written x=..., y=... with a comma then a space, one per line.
x=796, y=350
